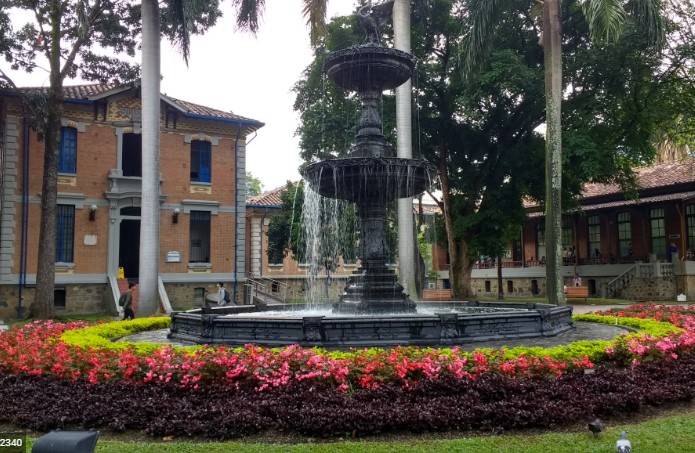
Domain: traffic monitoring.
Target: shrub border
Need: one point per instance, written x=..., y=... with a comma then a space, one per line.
x=105, y=335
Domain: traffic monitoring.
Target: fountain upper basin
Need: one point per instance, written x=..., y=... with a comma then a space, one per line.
x=369, y=66
x=368, y=178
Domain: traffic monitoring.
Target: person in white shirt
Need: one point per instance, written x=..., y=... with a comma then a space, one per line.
x=221, y=295
x=577, y=280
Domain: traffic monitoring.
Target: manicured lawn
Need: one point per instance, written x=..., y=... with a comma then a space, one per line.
x=669, y=434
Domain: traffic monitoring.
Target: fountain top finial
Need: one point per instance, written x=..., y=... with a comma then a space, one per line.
x=372, y=18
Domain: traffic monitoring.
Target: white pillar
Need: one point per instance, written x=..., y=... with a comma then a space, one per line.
x=406, y=235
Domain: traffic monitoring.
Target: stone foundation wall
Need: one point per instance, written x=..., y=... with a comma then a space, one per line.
x=297, y=288
x=184, y=296
x=651, y=289
x=79, y=299
x=522, y=287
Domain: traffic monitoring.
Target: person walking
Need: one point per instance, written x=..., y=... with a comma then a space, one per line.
x=126, y=301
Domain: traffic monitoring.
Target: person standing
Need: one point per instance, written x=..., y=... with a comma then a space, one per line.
x=127, y=302
x=670, y=251
x=223, y=297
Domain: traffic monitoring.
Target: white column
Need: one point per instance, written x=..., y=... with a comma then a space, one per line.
x=406, y=234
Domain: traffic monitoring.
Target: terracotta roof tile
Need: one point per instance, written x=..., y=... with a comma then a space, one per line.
x=197, y=109
x=270, y=198
x=654, y=176
x=85, y=92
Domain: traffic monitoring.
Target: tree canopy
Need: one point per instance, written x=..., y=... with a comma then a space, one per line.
x=95, y=41
x=482, y=134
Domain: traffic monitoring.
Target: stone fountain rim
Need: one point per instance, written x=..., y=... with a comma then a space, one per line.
x=367, y=49
x=371, y=161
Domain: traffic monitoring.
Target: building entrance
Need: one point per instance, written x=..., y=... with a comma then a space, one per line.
x=129, y=242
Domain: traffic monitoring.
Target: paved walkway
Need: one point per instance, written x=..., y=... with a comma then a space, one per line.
x=583, y=331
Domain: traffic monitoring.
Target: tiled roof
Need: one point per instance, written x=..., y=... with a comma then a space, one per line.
x=96, y=90
x=197, y=109
x=652, y=177
x=657, y=176
x=270, y=198
x=619, y=203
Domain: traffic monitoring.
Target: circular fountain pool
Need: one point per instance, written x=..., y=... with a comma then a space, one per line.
x=434, y=324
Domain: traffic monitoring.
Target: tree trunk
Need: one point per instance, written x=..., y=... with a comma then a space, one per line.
x=148, y=301
x=553, y=161
x=407, y=244
x=45, y=270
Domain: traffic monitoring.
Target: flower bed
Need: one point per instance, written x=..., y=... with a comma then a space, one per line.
x=258, y=387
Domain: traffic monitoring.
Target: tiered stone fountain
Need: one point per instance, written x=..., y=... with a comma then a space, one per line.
x=374, y=309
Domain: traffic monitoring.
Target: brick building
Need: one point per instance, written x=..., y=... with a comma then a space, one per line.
x=616, y=243
x=202, y=199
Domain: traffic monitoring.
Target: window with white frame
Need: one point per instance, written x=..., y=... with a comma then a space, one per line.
x=625, y=234
x=658, y=231
x=65, y=233
x=67, y=154
x=200, y=161
x=200, y=237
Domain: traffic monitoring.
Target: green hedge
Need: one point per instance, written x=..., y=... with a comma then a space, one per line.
x=104, y=336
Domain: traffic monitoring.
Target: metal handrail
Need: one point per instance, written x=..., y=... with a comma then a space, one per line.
x=260, y=284
x=622, y=278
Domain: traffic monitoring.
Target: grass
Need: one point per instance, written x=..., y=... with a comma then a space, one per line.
x=673, y=433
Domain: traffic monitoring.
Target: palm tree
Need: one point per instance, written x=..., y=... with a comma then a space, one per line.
x=149, y=217
x=606, y=19
x=406, y=236
x=248, y=14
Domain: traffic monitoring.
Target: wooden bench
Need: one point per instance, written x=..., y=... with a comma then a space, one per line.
x=577, y=292
x=436, y=294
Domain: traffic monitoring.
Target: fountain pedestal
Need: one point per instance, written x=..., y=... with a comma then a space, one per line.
x=371, y=176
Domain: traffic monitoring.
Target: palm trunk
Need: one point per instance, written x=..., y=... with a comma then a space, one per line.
x=407, y=245
x=148, y=302
x=45, y=270
x=553, y=161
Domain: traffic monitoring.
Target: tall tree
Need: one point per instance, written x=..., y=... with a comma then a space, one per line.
x=407, y=245
x=65, y=33
x=249, y=14
x=148, y=303
x=606, y=19
x=482, y=135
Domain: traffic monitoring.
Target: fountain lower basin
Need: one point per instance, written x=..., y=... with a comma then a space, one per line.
x=442, y=324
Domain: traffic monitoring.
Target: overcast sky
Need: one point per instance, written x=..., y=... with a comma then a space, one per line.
x=251, y=76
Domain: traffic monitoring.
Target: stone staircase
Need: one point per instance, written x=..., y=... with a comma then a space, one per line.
x=265, y=291
x=615, y=287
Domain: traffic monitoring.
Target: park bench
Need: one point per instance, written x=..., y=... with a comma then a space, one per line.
x=577, y=292
x=436, y=294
